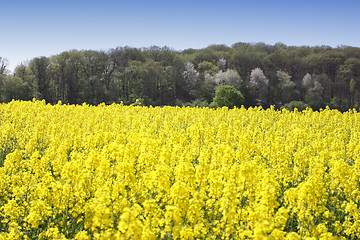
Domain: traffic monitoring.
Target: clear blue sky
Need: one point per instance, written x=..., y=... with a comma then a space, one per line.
x=32, y=28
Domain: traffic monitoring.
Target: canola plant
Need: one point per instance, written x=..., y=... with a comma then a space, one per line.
x=132, y=172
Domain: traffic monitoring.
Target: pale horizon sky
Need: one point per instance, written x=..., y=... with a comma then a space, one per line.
x=45, y=28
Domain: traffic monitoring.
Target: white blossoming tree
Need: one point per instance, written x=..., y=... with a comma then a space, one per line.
x=229, y=77
x=259, y=86
x=192, y=79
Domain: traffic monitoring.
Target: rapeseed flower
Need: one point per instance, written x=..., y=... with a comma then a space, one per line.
x=133, y=172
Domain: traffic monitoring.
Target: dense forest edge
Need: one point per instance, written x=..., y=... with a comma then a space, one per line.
x=259, y=75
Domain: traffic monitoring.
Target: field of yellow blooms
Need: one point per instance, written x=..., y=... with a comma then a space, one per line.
x=132, y=172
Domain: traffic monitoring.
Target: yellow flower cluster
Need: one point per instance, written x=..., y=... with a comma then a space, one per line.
x=133, y=172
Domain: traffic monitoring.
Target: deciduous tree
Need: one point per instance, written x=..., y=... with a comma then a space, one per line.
x=228, y=96
x=287, y=87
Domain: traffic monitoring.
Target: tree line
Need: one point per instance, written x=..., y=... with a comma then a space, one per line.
x=265, y=75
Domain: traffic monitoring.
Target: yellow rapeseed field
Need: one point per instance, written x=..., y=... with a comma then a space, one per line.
x=132, y=172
